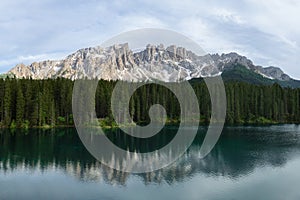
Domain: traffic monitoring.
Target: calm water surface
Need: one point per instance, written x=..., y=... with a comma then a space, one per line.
x=247, y=163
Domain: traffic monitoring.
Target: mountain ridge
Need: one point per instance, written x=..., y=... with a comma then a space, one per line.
x=155, y=62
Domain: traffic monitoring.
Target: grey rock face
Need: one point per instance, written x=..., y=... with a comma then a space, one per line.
x=276, y=73
x=226, y=61
x=155, y=62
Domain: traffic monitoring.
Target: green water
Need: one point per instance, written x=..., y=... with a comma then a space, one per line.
x=247, y=163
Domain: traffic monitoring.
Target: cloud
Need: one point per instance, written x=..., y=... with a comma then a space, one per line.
x=265, y=31
x=228, y=16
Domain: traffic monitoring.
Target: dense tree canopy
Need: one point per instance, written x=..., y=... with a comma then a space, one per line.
x=36, y=103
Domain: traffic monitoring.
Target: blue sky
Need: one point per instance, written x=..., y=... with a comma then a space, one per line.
x=267, y=32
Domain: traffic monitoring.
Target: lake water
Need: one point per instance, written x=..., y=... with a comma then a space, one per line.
x=247, y=163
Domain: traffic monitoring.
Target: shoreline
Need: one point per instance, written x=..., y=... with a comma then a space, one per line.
x=108, y=127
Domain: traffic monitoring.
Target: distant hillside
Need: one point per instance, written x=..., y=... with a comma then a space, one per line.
x=240, y=73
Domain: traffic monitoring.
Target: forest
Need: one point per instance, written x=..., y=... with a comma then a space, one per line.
x=26, y=103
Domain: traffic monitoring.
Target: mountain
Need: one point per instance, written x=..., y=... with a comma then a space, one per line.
x=8, y=75
x=155, y=62
x=118, y=62
x=240, y=73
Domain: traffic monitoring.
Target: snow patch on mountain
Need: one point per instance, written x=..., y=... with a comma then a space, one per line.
x=155, y=62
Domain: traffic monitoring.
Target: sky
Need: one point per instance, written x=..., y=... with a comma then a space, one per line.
x=267, y=32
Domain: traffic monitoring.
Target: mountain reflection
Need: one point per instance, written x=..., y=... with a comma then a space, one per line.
x=239, y=151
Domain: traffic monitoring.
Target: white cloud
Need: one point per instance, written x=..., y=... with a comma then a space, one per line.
x=228, y=16
x=266, y=31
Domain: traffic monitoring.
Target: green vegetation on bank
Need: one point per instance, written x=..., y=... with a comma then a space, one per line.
x=26, y=103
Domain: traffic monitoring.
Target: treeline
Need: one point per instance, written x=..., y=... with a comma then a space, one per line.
x=38, y=103
x=35, y=103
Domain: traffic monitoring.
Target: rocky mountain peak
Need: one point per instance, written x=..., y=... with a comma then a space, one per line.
x=225, y=61
x=276, y=73
x=154, y=62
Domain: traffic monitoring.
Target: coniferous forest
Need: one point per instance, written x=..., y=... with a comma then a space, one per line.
x=28, y=103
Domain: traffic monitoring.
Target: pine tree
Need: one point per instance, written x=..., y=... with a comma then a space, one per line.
x=20, y=106
x=7, y=103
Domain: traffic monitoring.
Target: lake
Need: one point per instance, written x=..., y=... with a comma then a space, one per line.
x=247, y=163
